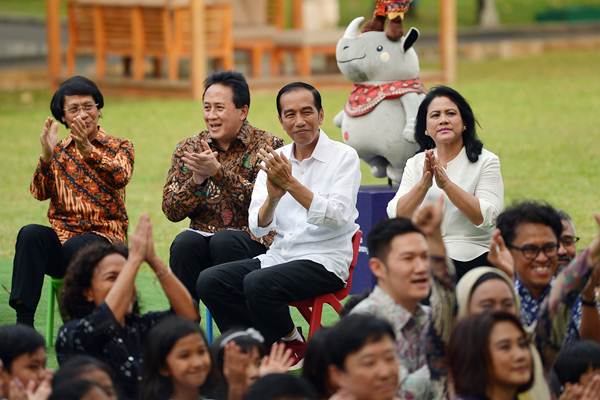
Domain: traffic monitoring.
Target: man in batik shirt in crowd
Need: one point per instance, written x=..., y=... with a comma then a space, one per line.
x=84, y=175
x=211, y=179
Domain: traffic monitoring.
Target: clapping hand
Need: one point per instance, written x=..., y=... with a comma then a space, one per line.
x=79, y=134
x=427, y=178
x=235, y=366
x=49, y=138
x=594, y=255
x=278, y=361
x=499, y=255
x=428, y=218
x=138, y=242
x=203, y=164
x=278, y=169
x=439, y=173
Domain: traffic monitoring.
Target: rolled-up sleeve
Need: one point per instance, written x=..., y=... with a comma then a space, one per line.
x=259, y=195
x=409, y=177
x=336, y=207
x=490, y=192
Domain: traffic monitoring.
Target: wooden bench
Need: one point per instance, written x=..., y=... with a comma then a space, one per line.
x=137, y=29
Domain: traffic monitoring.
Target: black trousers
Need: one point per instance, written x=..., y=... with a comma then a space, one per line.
x=192, y=253
x=38, y=252
x=462, y=267
x=242, y=294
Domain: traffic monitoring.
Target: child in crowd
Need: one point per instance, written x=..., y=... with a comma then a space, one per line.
x=241, y=359
x=577, y=370
x=316, y=364
x=497, y=362
x=23, y=371
x=362, y=353
x=177, y=362
x=99, y=299
x=281, y=387
x=79, y=389
x=86, y=368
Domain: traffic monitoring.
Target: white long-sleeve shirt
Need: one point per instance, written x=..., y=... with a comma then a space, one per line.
x=323, y=233
x=483, y=179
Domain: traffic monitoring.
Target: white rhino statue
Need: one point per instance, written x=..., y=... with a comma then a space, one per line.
x=378, y=119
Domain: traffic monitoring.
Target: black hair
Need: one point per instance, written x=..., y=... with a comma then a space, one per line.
x=280, y=387
x=73, y=390
x=469, y=366
x=316, y=362
x=382, y=234
x=564, y=216
x=527, y=212
x=473, y=145
x=352, y=333
x=576, y=359
x=75, y=86
x=290, y=87
x=233, y=80
x=16, y=340
x=79, y=365
x=159, y=343
x=78, y=278
x=353, y=301
x=245, y=340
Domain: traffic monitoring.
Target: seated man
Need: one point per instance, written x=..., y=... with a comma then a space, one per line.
x=532, y=232
x=84, y=175
x=211, y=179
x=306, y=192
x=404, y=255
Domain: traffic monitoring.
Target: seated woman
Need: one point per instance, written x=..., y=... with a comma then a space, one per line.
x=466, y=174
x=506, y=367
x=84, y=176
x=99, y=299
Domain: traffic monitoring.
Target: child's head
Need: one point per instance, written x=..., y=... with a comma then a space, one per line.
x=316, y=364
x=90, y=276
x=89, y=368
x=78, y=389
x=362, y=357
x=281, y=387
x=578, y=362
x=23, y=354
x=176, y=357
x=250, y=342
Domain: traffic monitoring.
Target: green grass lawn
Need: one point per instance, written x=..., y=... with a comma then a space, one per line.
x=539, y=114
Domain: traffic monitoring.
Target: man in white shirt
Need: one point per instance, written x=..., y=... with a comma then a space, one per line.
x=306, y=191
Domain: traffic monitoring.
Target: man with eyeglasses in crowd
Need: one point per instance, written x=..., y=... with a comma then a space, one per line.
x=532, y=232
x=84, y=175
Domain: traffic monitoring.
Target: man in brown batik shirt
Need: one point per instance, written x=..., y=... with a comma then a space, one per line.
x=210, y=182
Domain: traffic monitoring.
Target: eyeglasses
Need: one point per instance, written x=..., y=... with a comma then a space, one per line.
x=568, y=240
x=86, y=107
x=531, y=251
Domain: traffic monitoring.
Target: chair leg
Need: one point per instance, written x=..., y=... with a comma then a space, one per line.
x=209, y=326
x=50, y=316
x=315, y=319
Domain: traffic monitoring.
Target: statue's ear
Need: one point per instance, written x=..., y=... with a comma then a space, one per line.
x=411, y=38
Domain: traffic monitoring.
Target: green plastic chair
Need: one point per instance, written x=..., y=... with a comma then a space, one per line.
x=53, y=293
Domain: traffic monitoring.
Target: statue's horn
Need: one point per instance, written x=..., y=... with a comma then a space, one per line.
x=352, y=30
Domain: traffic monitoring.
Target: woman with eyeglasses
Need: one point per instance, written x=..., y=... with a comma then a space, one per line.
x=84, y=175
x=451, y=162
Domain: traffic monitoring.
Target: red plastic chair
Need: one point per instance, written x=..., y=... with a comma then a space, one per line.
x=312, y=309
